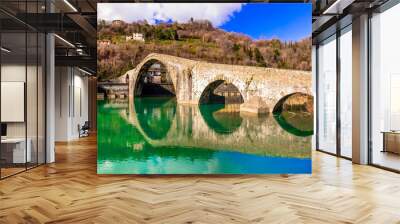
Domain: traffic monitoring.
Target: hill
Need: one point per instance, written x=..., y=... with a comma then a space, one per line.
x=197, y=40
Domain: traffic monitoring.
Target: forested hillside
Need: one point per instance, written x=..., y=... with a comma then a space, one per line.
x=197, y=40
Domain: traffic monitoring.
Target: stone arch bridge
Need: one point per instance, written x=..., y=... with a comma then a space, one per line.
x=262, y=89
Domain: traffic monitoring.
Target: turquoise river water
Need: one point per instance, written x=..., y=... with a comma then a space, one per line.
x=158, y=136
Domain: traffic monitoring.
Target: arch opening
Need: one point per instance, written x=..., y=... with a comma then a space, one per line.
x=154, y=80
x=221, y=92
x=300, y=102
x=294, y=113
x=220, y=106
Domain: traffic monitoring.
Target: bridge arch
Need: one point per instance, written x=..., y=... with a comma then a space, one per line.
x=289, y=121
x=153, y=77
x=260, y=88
x=229, y=91
x=278, y=107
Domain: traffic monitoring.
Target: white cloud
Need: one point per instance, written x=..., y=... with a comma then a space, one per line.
x=216, y=13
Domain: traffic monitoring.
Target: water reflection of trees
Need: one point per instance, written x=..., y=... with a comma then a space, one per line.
x=296, y=123
x=165, y=124
x=120, y=140
x=155, y=116
x=223, y=119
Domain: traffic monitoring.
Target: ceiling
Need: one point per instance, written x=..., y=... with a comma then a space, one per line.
x=73, y=21
x=329, y=15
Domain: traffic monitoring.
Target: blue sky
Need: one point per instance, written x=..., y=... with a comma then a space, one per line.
x=265, y=21
x=290, y=21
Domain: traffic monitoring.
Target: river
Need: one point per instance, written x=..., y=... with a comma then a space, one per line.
x=155, y=135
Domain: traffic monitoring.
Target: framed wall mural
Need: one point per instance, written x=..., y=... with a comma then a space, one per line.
x=204, y=88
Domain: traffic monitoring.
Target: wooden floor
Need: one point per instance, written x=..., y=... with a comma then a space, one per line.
x=5, y=172
x=70, y=191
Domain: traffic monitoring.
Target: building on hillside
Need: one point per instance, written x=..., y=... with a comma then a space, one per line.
x=135, y=36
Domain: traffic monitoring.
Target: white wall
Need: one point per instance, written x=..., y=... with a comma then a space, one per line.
x=33, y=125
x=80, y=109
x=71, y=102
x=62, y=82
x=13, y=101
x=14, y=73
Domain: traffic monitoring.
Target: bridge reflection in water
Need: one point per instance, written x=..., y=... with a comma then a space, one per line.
x=157, y=135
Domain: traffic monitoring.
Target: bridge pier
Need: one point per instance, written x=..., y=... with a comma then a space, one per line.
x=254, y=105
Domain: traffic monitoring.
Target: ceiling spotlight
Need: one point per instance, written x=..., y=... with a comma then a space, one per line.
x=5, y=50
x=80, y=51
